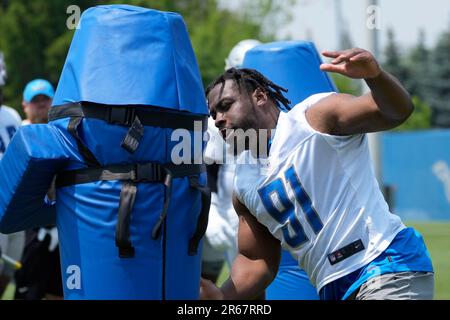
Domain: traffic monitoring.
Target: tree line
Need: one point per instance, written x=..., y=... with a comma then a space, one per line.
x=35, y=39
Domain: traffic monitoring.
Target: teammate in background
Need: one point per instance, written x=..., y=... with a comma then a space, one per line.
x=11, y=244
x=37, y=100
x=220, y=242
x=291, y=282
x=316, y=194
x=40, y=276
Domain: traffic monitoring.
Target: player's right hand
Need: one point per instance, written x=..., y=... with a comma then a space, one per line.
x=209, y=291
x=354, y=63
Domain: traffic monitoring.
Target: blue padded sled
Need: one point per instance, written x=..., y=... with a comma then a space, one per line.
x=294, y=65
x=27, y=170
x=129, y=219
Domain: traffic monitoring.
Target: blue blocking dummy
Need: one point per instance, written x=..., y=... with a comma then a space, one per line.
x=130, y=218
x=26, y=172
x=294, y=65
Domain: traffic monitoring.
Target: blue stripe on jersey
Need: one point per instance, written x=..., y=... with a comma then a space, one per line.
x=407, y=252
x=304, y=200
x=286, y=216
x=276, y=187
x=299, y=236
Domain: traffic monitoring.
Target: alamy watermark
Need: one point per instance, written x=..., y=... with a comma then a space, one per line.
x=373, y=20
x=226, y=147
x=73, y=21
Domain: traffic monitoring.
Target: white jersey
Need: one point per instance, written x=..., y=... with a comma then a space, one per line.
x=318, y=195
x=9, y=122
x=223, y=220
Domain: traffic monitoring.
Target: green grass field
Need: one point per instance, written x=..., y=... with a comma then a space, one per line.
x=437, y=238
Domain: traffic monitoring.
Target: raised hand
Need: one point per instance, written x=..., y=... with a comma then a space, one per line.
x=354, y=63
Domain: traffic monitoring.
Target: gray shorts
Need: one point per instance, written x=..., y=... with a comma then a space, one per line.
x=397, y=286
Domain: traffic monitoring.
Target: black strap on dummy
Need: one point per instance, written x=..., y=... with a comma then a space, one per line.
x=127, y=197
x=167, y=196
x=131, y=175
x=202, y=221
x=87, y=155
x=133, y=116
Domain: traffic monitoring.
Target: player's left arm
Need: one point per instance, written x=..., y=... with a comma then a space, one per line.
x=255, y=266
x=385, y=107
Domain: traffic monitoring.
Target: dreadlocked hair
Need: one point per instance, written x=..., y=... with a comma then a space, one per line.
x=251, y=79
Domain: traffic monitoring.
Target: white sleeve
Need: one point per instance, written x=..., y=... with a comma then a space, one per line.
x=219, y=232
x=215, y=147
x=300, y=113
x=14, y=115
x=299, y=109
x=17, y=117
